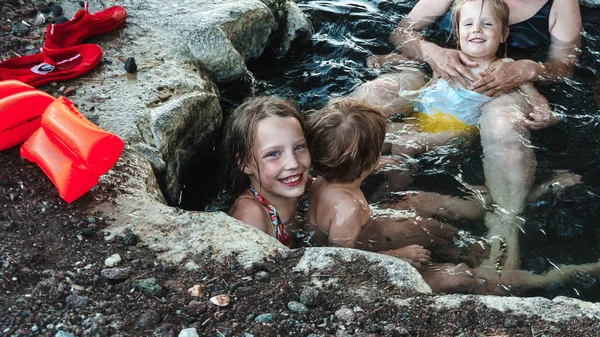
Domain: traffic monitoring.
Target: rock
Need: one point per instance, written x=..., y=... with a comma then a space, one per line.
x=117, y=274
x=130, y=65
x=69, y=91
x=345, y=314
x=5, y=28
x=220, y=300
x=113, y=260
x=310, y=296
x=190, y=332
x=56, y=10
x=165, y=330
x=130, y=239
x=149, y=319
x=61, y=19
x=149, y=287
x=261, y=275
x=196, y=308
x=44, y=8
x=298, y=307
x=20, y=29
x=63, y=334
x=40, y=19
x=264, y=318
x=75, y=301
x=196, y=291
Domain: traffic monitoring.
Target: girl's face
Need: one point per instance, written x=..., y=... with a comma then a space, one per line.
x=281, y=159
x=480, y=31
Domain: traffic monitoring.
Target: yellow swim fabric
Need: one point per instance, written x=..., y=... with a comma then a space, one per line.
x=439, y=122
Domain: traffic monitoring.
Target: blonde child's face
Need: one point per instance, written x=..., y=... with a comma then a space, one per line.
x=281, y=159
x=480, y=31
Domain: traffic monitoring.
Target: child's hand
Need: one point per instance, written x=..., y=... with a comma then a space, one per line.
x=414, y=253
x=374, y=61
x=541, y=118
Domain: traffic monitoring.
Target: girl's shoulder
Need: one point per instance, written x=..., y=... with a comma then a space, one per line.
x=249, y=210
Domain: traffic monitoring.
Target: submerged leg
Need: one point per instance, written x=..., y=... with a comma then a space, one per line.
x=391, y=92
x=509, y=167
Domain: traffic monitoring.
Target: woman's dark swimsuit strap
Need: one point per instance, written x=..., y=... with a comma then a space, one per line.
x=525, y=34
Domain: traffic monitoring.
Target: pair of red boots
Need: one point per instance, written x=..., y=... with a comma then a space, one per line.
x=63, y=57
x=71, y=150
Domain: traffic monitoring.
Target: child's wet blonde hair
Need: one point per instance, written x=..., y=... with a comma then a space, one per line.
x=499, y=8
x=345, y=139
x=240, y=135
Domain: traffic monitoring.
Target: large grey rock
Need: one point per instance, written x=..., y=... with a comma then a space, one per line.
x=559, y=309
x=399, y=272
x=590, y=3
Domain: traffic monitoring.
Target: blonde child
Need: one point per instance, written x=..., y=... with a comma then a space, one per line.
x=345, y=140
x=267, y=164
x=446, y=109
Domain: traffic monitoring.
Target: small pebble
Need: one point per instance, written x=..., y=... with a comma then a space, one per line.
x=69, y=91
x=345, y=314
x=40, y=19
x=196, y=291
x=113, y=260
x=149, y=319
x=130, y=65
x=61, y=19
x=220, y=300
x=190, y=332
x=264, y=318
x=57, y=10
x=297, y=307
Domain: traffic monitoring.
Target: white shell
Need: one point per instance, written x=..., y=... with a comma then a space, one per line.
x=220, y=300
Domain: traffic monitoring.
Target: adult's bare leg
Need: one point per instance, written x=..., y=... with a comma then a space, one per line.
x=509, y=166
x=391, y=92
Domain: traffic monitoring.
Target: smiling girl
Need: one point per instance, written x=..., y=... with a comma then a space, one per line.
x=267, y=164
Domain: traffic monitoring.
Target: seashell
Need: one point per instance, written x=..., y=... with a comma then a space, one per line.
x=220, y=300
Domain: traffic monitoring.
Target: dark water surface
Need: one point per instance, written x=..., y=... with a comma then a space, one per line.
x=563, y=229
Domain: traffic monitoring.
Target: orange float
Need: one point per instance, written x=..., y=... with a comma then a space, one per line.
x=11, y=87
x=71, y=150
x=20, y=113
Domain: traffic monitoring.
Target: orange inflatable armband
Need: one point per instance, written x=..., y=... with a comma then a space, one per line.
x=72, y=180
x=11, y=87
x=71, y=150
x=20, y=115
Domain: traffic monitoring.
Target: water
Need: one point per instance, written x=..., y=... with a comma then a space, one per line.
x=560, y=229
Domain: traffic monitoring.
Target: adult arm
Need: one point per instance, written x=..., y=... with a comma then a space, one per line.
x=565, y=33
x=449, y=64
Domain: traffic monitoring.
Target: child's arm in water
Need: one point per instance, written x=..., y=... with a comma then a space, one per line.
x=542, y=115
x=347, y=222
x=248, y=211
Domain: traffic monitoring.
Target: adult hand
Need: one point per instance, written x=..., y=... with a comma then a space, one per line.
x=502, y=77
x=541, y=118
x=450, y=64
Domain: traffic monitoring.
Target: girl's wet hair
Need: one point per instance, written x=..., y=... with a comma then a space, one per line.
x=240, y=134
x=499, y=8
x=345, y=139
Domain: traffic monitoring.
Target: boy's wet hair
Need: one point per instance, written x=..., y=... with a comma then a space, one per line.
x=240, y=135
x=345, y=139
x=499, y=7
